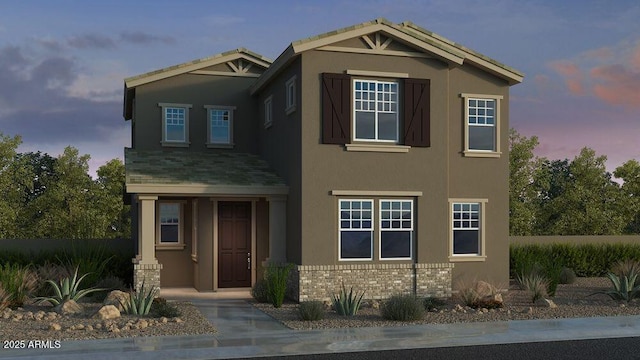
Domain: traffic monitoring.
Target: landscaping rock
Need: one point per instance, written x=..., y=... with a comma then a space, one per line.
x=107, y=312
x=55, y=327
x=68, y=307
x=117, y=298
x=548, y=303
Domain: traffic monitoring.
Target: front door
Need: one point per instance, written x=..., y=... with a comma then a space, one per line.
x=234, y=244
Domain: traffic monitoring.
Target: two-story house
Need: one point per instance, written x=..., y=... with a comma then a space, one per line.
x=374, y=156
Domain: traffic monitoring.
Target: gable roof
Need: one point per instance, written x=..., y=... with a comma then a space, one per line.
x=195, y=66
x=423, y=40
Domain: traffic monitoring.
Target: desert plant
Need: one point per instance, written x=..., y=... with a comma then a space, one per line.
x=311, y=310
x=18, y=283
x=4, y=298
x=627, y=267
x=89, y=258
x=107, y=285
x=49, y=271
x=567, y=276
x=480, y=294
x=67, y=289
x=277, y=277
x=259, y=291
x=161, y=308
x=347, y=304
x=139, y=302
x=402, y=307
x=432, y=303
x=624, y=287
x=535, y=284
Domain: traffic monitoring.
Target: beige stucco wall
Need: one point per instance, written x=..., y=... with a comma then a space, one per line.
x=177, y=264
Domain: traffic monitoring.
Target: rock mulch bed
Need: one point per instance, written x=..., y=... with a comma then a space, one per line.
x=40, y=322
x=574, y=300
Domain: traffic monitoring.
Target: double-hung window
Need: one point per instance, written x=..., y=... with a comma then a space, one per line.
x=169, y=223
x=219, y=125
x=467, y=229
x=396, y=229
x=175, y=124
x=482, y=125
x=356, y=230
x=375, y=104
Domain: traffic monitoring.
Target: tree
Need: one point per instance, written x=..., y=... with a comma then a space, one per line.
x=110, y=186
x=523, y=166
x=14, y=179
x=629, y=172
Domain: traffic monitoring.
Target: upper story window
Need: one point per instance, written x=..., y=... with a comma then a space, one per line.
x=290, y=89
x=219, y=125
x=268, y=111
x=482, y=125
x=175, y=124
x=376, y=115
x=375, y=105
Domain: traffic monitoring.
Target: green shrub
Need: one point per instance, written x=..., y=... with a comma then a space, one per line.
x=311, y=310
x=627, y=267
x=139, y=302
x=90, y=259
x=624, y=287
x=67, y=289
x=4, y=298
x=18, y=283
x=277, y=277
x=347, y=304
x=259, y=291
x=480, y=294
x=433, y=303
x=535, y=283
x=402, y=308
x=49, y=271
x=161, y=308
x=567, y=276
x=107, y=285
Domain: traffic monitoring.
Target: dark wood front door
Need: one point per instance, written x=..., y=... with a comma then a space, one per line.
x=234, y=244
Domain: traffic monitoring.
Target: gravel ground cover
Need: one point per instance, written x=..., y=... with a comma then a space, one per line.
x=39, y=323
x=572, y=300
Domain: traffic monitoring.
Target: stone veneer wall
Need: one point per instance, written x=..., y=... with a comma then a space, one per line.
x=147, y=273
x=378, y=281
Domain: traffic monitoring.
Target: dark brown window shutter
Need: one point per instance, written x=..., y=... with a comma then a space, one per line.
x=417, y=112
x=336, y=108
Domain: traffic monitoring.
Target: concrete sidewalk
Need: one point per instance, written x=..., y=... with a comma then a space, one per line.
x=244, y=331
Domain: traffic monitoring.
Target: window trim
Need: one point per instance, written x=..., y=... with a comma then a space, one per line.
x=354, y=111
x=372, y=201
x=411, y=230
x=175, y=143
x=194, y=230
x=231, y=110
x=481, y=256
x=290, y=95
x=268, y=111
x=497, y=124
x=180, y=245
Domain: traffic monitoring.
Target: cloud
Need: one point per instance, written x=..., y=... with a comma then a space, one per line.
x=572, y=75
x=91, y=41
x=617, y=85
x=139, y=37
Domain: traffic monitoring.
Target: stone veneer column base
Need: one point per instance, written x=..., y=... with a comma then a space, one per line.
x=149, y=274
x=378, y=281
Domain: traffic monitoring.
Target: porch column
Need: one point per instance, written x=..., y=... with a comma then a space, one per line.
x=146, y=266
x=277, y=229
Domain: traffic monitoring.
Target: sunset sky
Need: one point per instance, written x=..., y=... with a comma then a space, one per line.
x=62, y=63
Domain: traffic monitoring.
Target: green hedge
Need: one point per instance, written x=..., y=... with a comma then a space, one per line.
x=585, y=259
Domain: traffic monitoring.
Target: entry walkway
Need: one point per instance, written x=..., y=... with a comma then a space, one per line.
x=244, y=331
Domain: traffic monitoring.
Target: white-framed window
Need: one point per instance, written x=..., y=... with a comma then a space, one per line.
x=375, y=106
x=219, y=125
x=355, y=229
x=482, y=124
x=396, y=229
x=467, y=229
x=169, y=231
x=290, y=89
x=175, y=124
x=268, y=111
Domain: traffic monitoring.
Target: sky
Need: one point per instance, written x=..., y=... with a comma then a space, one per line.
x=63, y=63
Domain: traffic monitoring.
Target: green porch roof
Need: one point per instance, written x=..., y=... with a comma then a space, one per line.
x=180, y=167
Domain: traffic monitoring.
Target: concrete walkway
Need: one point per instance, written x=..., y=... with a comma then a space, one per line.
x=244, y=331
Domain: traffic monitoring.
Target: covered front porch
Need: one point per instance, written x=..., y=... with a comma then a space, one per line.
x=208, y=221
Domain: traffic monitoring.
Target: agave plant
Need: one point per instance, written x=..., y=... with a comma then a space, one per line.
x=139, y=302
x=347, y=304
x=623, y=287
x=67, y=289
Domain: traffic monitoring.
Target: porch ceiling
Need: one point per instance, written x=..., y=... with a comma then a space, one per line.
x=188, y=172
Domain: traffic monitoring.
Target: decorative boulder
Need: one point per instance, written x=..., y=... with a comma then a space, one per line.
x=68, y=307
x=117, y=298
x=546, y=303
x=107, y=312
